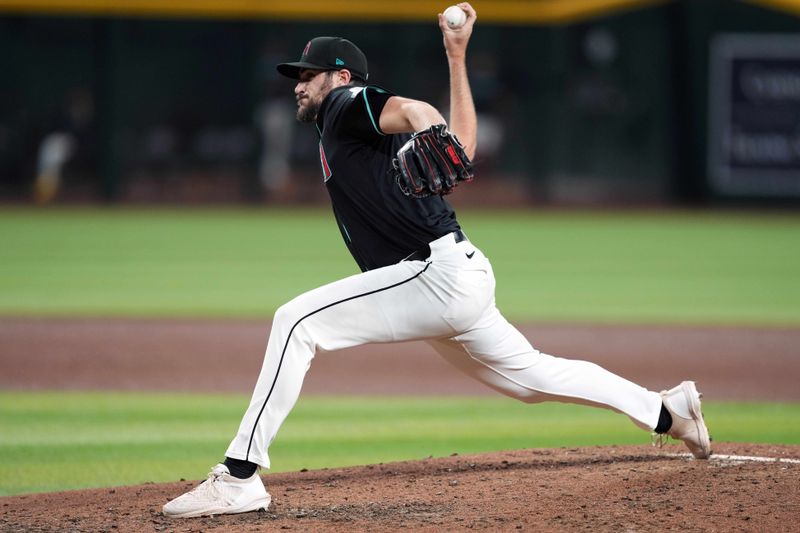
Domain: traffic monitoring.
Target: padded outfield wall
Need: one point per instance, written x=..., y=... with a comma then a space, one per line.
x=587, y=102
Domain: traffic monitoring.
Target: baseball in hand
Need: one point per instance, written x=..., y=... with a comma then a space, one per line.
x=455, y=17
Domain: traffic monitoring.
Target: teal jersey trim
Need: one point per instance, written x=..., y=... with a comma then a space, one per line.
x=346, y=233
x=369, y=110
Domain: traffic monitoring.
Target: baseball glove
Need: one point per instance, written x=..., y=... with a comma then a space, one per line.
x=432, y=162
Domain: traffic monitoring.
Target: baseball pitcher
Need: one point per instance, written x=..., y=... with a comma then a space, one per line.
x=387, y=163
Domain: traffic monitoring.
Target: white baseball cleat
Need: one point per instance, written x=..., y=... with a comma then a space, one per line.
x=683, y=404
x=221, y=493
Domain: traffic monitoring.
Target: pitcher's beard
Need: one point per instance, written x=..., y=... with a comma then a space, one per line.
x=308, y=113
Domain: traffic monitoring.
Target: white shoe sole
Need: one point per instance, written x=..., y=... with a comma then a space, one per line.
x=255, y=505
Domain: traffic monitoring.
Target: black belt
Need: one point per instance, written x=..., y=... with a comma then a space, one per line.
x=423, y=253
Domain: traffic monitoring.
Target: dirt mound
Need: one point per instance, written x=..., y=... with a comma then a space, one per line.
x=597, y=489
x=576, y=489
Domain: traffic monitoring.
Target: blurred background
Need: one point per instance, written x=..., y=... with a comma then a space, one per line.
x=130, y=336
x=581, y=102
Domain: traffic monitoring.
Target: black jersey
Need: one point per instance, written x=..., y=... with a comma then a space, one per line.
x=379, y=224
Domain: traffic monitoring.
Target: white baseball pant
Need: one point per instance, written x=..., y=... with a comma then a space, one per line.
x=447, y=300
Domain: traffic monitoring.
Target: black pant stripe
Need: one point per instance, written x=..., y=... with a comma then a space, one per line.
x=289, y=336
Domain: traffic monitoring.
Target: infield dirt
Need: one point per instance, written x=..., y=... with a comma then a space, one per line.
x=587, y=489
x=728, y=363
x=632, y=488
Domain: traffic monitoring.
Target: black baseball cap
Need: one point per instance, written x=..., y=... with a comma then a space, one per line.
x=328, y=53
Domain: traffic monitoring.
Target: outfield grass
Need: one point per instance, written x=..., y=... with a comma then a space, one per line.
x=56, y=441
x=609, y=267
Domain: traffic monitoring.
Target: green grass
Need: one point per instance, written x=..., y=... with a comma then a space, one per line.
x=632, y=267
x=610, y=267
x=56, y=441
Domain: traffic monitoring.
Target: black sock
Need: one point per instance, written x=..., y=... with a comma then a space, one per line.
x=664, y=421
x=240, y=469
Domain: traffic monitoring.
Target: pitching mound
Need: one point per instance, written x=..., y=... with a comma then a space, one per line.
x=592, y=489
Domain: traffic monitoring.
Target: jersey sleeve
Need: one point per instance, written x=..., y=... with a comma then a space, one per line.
x=361, y=115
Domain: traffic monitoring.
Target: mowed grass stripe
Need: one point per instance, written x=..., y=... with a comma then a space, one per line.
x=609, y=267
x=56, y=441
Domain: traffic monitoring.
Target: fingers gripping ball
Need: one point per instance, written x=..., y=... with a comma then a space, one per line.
x=455, y=17
x=432, y=162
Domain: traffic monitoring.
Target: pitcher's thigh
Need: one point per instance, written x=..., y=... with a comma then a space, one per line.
x=389, y=304
x=495, y=353
x=457, y=354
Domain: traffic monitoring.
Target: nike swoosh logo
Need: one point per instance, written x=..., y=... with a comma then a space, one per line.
x=469, y=256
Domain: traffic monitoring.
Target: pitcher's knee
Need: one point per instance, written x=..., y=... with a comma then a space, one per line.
x=292, y=320
x=530, y=396
x=521, y=393
x=287, y=318
x=282, y=319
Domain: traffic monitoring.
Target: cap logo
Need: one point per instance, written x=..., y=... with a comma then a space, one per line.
x=307, y=48
x=339, y=61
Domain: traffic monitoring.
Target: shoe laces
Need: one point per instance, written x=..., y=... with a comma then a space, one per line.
x=658, y=440
x=211, y=486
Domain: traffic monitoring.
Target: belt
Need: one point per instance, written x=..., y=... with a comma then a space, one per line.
x=423, y=253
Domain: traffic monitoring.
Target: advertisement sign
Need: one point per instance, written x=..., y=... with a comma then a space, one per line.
x=754, y=115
